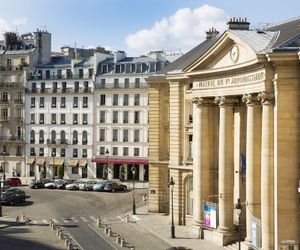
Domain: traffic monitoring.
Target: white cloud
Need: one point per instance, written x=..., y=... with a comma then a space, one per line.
x=182, y=30
x=6, y=25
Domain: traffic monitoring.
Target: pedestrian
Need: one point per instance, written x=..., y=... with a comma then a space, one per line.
x=145, y=199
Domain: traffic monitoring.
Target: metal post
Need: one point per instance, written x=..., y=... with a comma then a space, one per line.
x=133, y=169
x=171, y=185
x=4, y=153
x=0, y=197
x=53, y=167
x=34, y=167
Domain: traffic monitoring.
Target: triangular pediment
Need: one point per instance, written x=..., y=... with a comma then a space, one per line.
x=228, y=52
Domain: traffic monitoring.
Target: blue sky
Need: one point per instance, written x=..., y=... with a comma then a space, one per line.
x=136, y=25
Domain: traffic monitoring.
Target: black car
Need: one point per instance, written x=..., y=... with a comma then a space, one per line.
x=12, y=196
x=39, y=184
x=115, y=186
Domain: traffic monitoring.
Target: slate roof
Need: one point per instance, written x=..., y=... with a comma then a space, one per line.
x=287, y=30
x=57, y=62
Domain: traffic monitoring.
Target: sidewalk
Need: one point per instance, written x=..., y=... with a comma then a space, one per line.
x=16, y=236
x=148, y=231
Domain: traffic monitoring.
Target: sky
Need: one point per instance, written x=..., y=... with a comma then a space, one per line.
x=136, y=26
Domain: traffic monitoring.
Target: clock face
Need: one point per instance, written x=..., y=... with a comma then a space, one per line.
x=234, y=53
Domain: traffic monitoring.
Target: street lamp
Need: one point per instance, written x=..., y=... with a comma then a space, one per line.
x=106, y=167
x=4, y=153
x=171, y=185
x=133, y=169
x=53, y=155
x=238, y=207
x=2, y=183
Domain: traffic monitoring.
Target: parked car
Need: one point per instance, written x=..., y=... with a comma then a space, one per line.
x=87, y=186
x=73, y=186
x=53, y=184
x=114, y=186
x=39, y=184
x=13, y=182
x=12, y=196
x=100, y=185
x=63, y=183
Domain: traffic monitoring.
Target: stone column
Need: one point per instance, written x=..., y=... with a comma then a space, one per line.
x=267, y=170
x=226, y=165
x=201, y=158
x=253, y=161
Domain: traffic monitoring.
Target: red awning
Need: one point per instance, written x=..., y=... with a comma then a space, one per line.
x=121, y=160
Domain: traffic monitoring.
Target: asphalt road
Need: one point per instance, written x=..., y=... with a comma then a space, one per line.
x=77, y=211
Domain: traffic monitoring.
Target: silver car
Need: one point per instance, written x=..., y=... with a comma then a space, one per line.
x=87, y=186
x=73, y=186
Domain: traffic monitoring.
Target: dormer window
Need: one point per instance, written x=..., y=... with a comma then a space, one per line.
x=104, y=69
x=118, y=68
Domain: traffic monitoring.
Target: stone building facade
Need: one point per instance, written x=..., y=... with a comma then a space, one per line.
x=224, y=123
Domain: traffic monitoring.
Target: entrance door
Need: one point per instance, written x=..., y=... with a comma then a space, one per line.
x=146, y=173
x=99, y=170
x=84, y=172
x=117, y=171
x=129, y=172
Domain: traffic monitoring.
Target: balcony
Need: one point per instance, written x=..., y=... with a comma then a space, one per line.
x=121, y=85
x=4, y=101
x=57, y=141
x=75, y=141
x=11, y=139
x=59, y=76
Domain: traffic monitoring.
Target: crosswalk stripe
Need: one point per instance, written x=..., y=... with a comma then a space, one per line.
x=93, y=218
x=135, y=217
x=55, y=221
x=84, y=219
x=45, y=221
x=35, y=222
x=74, y=219
x=64, y=220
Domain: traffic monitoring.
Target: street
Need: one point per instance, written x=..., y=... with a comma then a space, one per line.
x=76, y=211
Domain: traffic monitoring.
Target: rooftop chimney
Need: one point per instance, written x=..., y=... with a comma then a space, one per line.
x=10, y=39
x=211, y=33
x=238, y=24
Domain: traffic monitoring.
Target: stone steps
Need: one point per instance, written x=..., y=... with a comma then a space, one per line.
x=234, y=246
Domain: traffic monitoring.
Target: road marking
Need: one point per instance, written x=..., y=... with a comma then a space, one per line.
x=55, y=221
x=113, y=246
x=135, y=217
x=45, y=221
x=65, y=220
x=74, y=219
x=93, y=218
x=84, y=219
x=35, y=222
x=76, y=242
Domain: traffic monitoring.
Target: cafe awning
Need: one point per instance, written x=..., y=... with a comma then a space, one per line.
x=30, y=161
x=40, y=161
x=57, y=162
x=82, y=163
x=72, y=163
x=121, y=160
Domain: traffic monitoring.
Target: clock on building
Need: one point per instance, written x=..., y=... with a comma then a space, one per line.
x=234, y=53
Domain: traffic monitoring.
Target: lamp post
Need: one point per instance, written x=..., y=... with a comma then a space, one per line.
x=171, y=185
x=238, y=207
x=4, y=153
x=53, y=155
x=2, y=183
x=133, y=169
x=34, y=167
x=106, y=167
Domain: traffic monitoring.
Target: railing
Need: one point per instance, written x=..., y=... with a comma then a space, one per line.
x=59, y=90
x=57, y=141
x=122, y=85
x=57, y=77
x=12, y=138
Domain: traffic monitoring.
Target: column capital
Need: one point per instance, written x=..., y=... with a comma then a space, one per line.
x=226, y=101
x=250, y=99
x=202, y=102
x=266, y=97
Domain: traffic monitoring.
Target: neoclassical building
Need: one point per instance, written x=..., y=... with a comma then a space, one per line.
x=224, y=123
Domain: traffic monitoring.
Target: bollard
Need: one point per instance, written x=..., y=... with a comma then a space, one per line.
x=61, y=235
x=122, y=242
x=132, y=248
x=18, y=219
x=70, y=245
x=50, y=223
x=118, y=239
x=105, y=229
x=23, y=216
x=109, y=232
x=58, y=231
x=127, y=217
x=52, y=226
x=99, y=222
x=67, y=241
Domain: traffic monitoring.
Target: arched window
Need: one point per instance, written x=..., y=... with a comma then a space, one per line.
x=32, y=137
x=189, y=195
x=84, y=138
x=41, y=135
x=53, y=136
x=75, y=137
x=63, y=136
